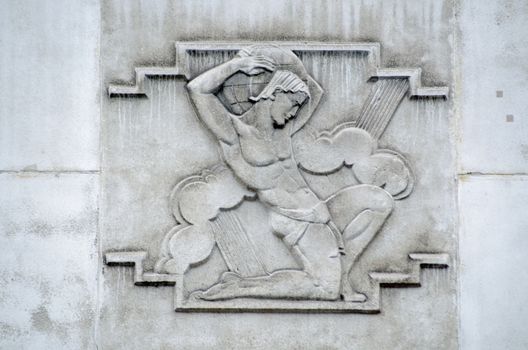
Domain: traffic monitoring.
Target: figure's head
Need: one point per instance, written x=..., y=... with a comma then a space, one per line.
x=287, y=93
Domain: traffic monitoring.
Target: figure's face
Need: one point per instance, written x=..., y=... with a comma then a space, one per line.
x=285, y=107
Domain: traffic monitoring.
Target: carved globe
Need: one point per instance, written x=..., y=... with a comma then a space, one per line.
x=237, y=90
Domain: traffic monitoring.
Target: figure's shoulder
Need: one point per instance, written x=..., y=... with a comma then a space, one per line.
x=245, y=129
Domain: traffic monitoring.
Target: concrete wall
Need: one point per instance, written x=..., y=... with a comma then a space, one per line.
x=493, y=166
x=49, y=173
x=49, y=164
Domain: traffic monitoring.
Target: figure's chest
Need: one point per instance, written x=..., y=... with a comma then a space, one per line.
x=260, y=149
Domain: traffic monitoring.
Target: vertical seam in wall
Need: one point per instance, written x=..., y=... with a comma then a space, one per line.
x=99, y=196
x=456, y=5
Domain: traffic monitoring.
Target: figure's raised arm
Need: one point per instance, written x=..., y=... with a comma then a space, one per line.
x=202, y=91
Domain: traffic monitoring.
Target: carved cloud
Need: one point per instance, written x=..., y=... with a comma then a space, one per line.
x=347, y=145
x=329, y=151
x=200, y=198
x=386, y=169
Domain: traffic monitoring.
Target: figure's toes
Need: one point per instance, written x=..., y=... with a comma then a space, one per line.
x=218, y=291
x=196, y=295
x=209, y=294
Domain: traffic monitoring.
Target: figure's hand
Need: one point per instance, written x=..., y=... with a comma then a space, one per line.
x=254, y=65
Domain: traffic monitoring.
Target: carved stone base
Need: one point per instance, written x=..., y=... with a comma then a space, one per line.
x=372, y=305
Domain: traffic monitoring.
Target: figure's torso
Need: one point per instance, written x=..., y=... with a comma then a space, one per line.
x=264, y=161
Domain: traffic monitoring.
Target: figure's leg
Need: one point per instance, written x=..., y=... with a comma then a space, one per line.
x=319, y=250
x=369, y=206
x=319, y=278
x=360, y=233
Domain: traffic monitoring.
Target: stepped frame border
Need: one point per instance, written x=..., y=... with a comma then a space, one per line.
x=372, y=305
x=378, y=280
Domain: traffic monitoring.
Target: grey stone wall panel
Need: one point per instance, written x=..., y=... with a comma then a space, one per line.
x=152, y=142
x=492, y=248
x=48, y=227
x=49, y=73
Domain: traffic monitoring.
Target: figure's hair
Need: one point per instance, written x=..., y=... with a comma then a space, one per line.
x=284, y=81
x=250, y=50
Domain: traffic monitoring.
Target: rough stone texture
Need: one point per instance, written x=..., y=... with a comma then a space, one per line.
x=48, y=267
x=493, y=270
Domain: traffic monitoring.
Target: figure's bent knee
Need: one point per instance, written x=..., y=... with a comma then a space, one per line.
x=350, y=202
x=374, y=198
x=385, y=202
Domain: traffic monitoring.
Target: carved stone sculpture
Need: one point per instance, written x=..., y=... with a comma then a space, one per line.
x=257, y=105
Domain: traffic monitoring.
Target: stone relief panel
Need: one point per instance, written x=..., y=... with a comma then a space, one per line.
x=281, y=220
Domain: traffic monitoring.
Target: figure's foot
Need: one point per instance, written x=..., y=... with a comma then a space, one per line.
x=349, y=294
x=195, y=296
x=220, y=291
x=278, y=285
x=354, y=297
